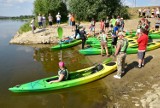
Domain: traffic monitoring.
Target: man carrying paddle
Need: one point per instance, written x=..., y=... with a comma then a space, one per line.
x=121, y=48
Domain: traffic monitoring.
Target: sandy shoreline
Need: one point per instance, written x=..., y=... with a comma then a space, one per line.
x=50, y=36
x=138, y=88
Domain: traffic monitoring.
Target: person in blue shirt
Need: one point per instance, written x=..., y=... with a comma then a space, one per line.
x=115, y=35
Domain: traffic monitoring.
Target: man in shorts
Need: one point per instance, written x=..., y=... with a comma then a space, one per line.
x=58, y=17
x=142, y=45
x=157, y=25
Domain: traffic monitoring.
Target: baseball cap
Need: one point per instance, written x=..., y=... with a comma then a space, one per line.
x=121, y=33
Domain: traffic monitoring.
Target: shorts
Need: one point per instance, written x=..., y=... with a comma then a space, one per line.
x=73, y=23
x=141, y=55
x=106, y=24
x=50, y=23
x=103, y=44
x=156, y=26
x=58, y=21
x=111, y=26
x=114, y=41
x=40, y=23
x=92, y=29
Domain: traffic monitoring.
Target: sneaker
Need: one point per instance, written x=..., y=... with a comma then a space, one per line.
x=116, y=76
x=138, y=67
x=142, y=65
x=123, y=72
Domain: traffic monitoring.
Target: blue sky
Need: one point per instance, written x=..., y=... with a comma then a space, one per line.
x=16, y=7
x=25, y=7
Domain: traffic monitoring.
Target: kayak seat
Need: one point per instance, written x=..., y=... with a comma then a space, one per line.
x=110, y=64
x=97, y=68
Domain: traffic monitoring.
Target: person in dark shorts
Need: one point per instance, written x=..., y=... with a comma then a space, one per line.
x=114, y=35
x=107, y=24
x=83, y=36
x=50, y=19
x=73, y=21
x=157, y=25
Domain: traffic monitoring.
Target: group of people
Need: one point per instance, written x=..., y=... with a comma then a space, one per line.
x=149, y=13
x=120, y=43
x=42, y=21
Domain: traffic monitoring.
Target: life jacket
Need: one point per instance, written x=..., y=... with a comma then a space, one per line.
x=125, y=45
x=65, y=76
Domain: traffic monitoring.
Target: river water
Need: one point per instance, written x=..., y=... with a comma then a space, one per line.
x=20, y=64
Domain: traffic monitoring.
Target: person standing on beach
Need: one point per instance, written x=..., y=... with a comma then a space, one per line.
x=103, y=38
x=102, y=25
x=112, y=21
x=73, y=21
x=122, y=24
x=157, y=25
x=33, y=25
x=69, y=19
x=142, y=45
x=115, y=35
x=77, y=27
x=83, y=36
x=44, y=21
x=58, y=17
x=40, y=21
x=92, y=27
x=121, y=48
x=50, y=19
x=107, y=24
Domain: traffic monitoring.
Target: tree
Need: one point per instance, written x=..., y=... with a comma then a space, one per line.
x=98, y=9
x=50, y=6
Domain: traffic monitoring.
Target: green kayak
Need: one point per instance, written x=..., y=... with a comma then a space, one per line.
x=79, y=77
x=130, y=50
x=67, y=45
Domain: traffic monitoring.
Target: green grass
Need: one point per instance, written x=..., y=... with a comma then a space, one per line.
x=25, y=28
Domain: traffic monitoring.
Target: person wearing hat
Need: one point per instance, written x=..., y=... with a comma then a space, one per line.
x=83, y=36
x=63, y=73
x=120, y=53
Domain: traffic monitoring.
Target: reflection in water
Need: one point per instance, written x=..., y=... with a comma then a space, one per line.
x=17, y=67
x=73, y=60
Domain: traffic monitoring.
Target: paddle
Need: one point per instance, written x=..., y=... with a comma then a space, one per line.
x=60, y=34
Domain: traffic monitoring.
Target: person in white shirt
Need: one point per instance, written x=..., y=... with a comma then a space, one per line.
x=32, y=25
x=44, y=21
x=50, y=19
x=58, y=17
x=40, y=21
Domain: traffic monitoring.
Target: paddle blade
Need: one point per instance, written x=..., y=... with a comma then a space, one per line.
x=60, y=32
x=107, y=60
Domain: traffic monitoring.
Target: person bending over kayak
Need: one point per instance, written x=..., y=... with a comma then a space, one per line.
x=63, y=73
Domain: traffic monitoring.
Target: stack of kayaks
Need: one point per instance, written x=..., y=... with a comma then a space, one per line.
x=78, y=77
x=132, y=48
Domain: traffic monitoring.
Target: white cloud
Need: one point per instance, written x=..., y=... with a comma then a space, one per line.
x=18, y=1
x=128, y=3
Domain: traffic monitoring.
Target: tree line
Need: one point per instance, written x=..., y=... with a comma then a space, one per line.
x=84, y=10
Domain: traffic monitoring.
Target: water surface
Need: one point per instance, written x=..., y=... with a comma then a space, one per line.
x=20, y=64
